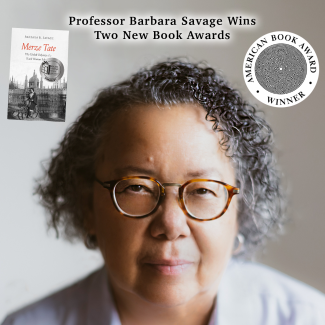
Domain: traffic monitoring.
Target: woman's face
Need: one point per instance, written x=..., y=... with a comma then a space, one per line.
x=166, y=258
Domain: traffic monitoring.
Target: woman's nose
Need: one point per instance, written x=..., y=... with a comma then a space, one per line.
x=170, y=222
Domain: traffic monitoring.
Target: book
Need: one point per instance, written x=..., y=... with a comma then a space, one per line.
x=38, y=75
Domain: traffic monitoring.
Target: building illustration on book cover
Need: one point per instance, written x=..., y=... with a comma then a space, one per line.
x=38, y=75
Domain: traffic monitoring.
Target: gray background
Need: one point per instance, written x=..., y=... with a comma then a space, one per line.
x=32, y=262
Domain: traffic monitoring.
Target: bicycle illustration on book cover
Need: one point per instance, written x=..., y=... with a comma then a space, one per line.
x=29, y=109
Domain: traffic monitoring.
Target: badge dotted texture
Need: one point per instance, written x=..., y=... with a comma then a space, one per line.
x=280, y=69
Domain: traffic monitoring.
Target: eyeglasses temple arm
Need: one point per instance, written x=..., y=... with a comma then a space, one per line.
x=106, y=185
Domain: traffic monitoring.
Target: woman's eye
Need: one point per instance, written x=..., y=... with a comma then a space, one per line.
x=203, y=191
x=136, y=188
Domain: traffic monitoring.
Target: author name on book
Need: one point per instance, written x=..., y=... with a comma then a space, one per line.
x=39, y=37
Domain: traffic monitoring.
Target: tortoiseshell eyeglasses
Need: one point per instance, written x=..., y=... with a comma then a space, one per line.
x=140, y=196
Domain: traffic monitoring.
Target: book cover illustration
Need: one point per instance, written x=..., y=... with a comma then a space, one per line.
x=38, y=75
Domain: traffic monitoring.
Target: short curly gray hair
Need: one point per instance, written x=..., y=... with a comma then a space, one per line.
x=246, y=138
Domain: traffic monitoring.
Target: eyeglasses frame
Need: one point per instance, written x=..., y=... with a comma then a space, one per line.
x=111, y=185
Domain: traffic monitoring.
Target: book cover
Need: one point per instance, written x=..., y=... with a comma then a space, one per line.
x=38, y=75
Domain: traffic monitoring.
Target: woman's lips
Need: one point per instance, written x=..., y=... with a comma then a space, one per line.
x=169, y=267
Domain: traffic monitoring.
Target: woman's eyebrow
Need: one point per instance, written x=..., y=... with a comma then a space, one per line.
x=139, y=170
x=204, y=173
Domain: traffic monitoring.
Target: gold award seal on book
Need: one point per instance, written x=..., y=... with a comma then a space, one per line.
x=51, y=69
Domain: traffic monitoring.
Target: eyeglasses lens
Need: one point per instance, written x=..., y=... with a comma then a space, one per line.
x=205, y=200
x=137, y=197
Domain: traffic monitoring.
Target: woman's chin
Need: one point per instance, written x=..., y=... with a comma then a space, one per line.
x=165, y=293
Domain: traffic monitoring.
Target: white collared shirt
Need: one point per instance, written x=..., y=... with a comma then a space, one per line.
x=249, y=294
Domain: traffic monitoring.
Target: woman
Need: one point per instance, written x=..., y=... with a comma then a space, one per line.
x=32, y=101
x=170, y=174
